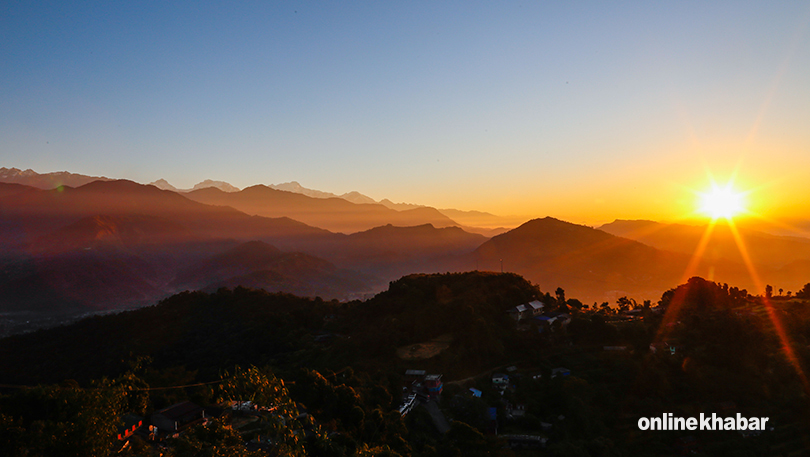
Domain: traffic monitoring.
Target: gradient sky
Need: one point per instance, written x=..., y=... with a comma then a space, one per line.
x=586, y=111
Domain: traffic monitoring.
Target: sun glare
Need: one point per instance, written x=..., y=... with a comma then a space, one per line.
x=722, y=202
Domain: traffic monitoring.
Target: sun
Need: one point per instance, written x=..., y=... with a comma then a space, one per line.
x=722, y=202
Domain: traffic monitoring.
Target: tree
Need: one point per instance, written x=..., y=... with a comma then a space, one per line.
x=768, y=291
x=561, y=305
x=263, y=388
x=212, y=439
x=804, y=292
x=573, y=303
x=624, y=304
x=560, y=293
x=62, y=419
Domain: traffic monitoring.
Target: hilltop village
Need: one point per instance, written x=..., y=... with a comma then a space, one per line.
x=451, y=364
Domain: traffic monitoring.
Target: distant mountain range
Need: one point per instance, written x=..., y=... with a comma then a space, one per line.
x=293, y=186
x=46, y=180
x=116, y=243
x=478, y=221
x=221, y=185
x=335, y=214
x=484, y=223
x=111, y=244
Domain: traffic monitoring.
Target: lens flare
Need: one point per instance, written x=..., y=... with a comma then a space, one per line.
x=722, y=202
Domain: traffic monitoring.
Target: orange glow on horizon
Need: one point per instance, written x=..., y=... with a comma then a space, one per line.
x=725, y=203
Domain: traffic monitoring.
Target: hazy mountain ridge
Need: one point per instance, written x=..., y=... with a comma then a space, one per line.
x=58, y=240
x=483, y=219
x=37, y=213
x=476, y=221
x=294, y=186
x=256, y=264
x=65, y=237
x=14, y=188
x=390, y=252
x=481, y=222
x=335, y=214
x=485, y=223
x=763, y=248
x=162, y=184
x=103, y=231
x=590, y=263
x=221, y=185
x=51, y=180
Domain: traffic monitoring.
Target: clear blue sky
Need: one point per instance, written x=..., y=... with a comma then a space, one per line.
x=581, y=110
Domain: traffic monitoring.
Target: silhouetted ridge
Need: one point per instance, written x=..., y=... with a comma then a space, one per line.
x=13, y=189
x=587, y=262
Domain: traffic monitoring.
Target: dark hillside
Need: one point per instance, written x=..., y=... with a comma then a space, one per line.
x=468, y=308
x=708, y=348
x=196, y=330
x=206, y=332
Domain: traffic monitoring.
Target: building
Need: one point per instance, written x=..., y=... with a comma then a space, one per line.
x=433, y=384
x=177, y=418
x=418, y=374
x=560, y=372
x=526, y=311
x=515, y=411
x=536, y=307
x=500, y=381
x=518, y=312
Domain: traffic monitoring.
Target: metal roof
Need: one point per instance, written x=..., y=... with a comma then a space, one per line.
x=537, y=304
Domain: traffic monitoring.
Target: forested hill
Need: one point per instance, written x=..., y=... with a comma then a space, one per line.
x=708, y=348
x=210, y=332
x=206, y=332
x=468, y=309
